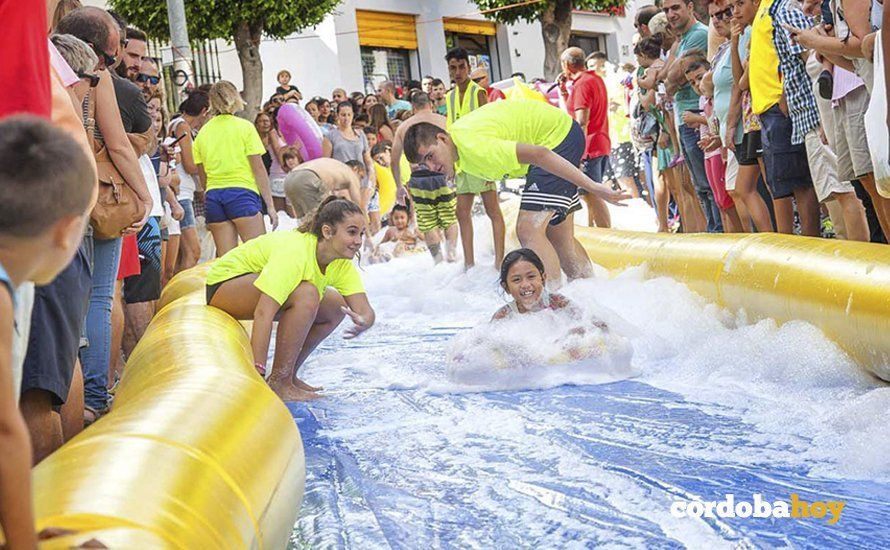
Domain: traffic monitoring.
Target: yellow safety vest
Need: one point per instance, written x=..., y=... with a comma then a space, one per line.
x=457, y=108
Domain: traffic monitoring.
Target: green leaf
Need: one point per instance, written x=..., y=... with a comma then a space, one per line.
x=211, y=19
x=532, y=12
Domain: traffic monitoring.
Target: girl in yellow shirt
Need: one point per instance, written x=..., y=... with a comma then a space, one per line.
x=305, y=280
x=229, y=153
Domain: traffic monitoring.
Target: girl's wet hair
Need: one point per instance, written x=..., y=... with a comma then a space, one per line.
x=520, y=254
x=331, y=211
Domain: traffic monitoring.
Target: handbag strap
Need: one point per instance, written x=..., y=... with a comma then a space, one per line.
x=89, y=118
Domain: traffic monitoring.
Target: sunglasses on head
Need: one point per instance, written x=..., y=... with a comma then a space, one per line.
x=153, y=80
x=94, y=78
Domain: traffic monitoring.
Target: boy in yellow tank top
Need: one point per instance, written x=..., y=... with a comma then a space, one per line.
x=464, y=98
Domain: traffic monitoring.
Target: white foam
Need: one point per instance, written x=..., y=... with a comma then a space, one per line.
x=502, y=356
x=806, y=401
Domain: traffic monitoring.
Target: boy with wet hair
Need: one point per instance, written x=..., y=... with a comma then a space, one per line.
x=47, y=183
x=512, y=139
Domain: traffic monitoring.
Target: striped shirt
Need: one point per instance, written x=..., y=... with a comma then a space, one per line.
x=796, y=83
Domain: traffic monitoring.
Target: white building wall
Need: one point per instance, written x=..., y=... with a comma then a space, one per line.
x=526, y=49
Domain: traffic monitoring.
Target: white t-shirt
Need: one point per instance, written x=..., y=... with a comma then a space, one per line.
x=24, y=302
x=151, y=180
x=187, y=186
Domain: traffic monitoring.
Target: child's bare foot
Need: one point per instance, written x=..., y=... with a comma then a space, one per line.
x=304, y=386
x=290, y=392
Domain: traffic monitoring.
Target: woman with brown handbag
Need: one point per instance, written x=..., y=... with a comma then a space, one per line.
x=124, y=186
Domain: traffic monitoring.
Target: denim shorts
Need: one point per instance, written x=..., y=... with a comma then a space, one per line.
x=787, y=166
x=188, y=219
x=374, y=202
x=231, y=203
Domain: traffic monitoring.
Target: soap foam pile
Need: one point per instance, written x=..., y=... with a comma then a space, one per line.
x=536, y=351
x=790, y=382
x=439, y=429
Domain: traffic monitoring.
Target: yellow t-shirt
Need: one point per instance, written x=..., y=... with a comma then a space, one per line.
x=763, y=62
x=404, y=169
x=222, y=146
x=486, y=138
x=284, y=259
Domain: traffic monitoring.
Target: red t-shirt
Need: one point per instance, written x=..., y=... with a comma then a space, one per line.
x=24, y=66
x=589, y=92
x=494, y=94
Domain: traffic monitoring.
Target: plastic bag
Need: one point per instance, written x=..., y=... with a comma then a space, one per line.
x=876, y=125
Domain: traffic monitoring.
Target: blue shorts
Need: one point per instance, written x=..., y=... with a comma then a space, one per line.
x=544, y=191
x=57, y=322
x=188, y=218
x=231, y=203
x=787, y=165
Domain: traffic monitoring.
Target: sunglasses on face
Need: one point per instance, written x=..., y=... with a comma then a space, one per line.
x=478, y=79
x=723, y=15
x=153, y=80
x=94, y=78
x=108, y=60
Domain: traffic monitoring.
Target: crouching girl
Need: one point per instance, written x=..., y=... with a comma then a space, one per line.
x=305, y=280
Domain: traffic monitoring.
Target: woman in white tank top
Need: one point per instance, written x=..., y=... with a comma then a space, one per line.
x=192, y=115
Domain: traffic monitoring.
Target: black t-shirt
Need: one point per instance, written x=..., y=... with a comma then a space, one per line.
x=281, y=90
x=132, y=105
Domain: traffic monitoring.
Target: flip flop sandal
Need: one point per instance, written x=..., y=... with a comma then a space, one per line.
x=261, y=369
x=91, y=415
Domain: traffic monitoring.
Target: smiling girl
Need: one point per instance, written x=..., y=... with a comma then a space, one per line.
x=305, y=280
x=523, y=278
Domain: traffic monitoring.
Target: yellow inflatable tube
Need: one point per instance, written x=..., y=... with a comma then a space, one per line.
x=841, y=287
x=197, y=452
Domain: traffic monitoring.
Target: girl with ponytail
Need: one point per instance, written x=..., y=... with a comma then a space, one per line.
x=304, y=279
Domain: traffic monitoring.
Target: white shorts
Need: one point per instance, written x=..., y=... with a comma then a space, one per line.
x=732, y=171
x=172, y=225
x=850, y=143
x=823, y=168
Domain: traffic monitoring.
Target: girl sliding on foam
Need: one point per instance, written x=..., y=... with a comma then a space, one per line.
x=523, y=277
x=285, y=276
